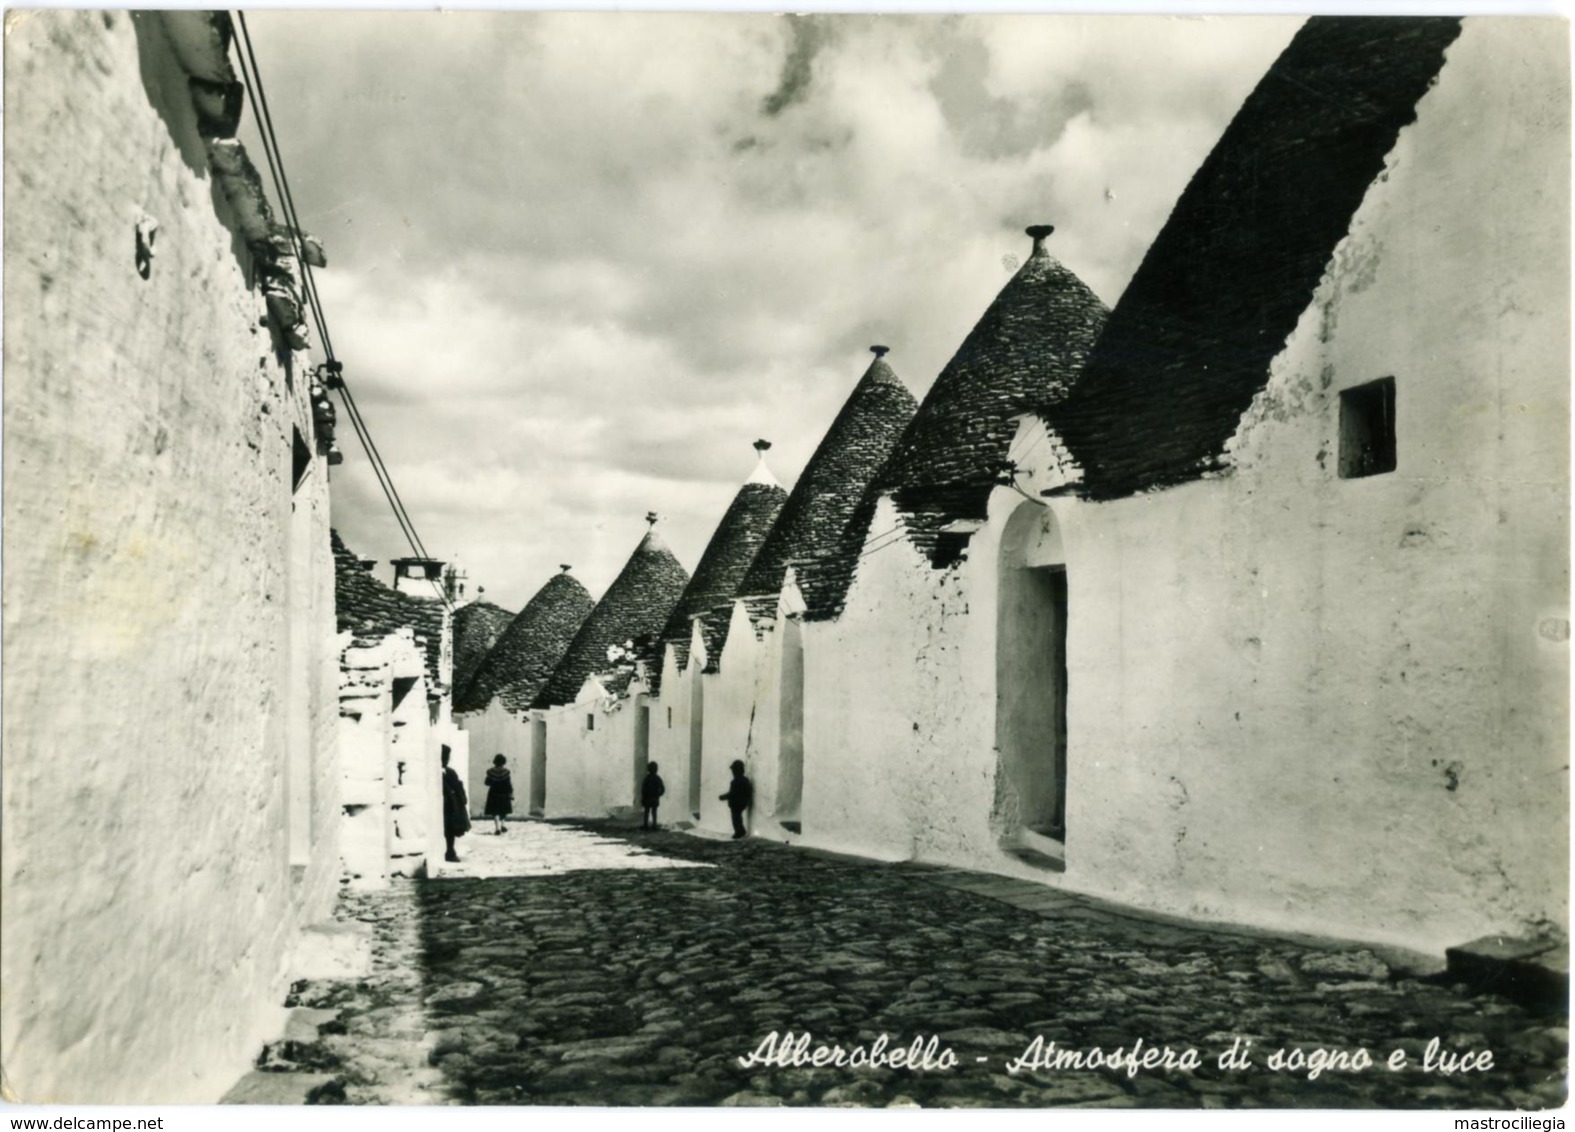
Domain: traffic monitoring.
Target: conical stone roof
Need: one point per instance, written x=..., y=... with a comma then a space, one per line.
x=1027, y=351
x=630, y=615
x=519, y=665
x=822, y=527
x=477, y=627
x=1222, y=288
x=733, y=546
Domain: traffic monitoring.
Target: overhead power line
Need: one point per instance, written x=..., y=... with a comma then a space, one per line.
x=251, y=76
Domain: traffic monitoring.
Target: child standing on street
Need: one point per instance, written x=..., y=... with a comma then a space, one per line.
x=456, y=809
x=500, y=794
x=651, y=791
x=740, y=795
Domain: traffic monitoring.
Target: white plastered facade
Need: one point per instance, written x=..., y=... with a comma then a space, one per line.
x=1294, y=700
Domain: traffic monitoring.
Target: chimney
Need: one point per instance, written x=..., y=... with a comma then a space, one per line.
x=419, y=577
x=1039, y=232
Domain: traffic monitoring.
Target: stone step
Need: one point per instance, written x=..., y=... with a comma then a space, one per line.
x=1533, y=971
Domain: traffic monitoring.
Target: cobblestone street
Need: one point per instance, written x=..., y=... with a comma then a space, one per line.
x=587, y=965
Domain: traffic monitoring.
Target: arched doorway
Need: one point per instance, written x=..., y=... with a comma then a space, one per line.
x=1030, y=677
x=790, y=750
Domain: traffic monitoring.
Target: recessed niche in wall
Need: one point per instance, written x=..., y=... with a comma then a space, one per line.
x=403, y=685
x=1367, y=429
x=590, y=722
x=303, y=461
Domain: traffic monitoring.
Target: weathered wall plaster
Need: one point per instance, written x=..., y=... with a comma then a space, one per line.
x=497, y=731
x=898, y=712
x=593, y=747
x=743, y=720
x=1300, y=701
x=671, y=738
x=152, y=881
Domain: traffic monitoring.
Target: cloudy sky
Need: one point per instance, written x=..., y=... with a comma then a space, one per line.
x=579, y=262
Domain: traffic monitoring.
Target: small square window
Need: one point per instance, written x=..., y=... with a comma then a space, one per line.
x=1367, y=429
x=951, y=547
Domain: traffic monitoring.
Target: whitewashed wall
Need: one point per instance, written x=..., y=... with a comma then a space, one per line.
x=591, y=768
x=156, y=614
x=899, y=710
x=391, y=765
x=743, y=721
x=671, y=723
x=497, y=731
x=1294, y=700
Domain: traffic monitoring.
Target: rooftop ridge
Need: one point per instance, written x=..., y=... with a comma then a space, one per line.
x=477, y=627
x=631, y=613
x=1027, y=348
x=1223, y=285
x=360, y=600
x=739, y=534
x=823, y=519
x=532, y=645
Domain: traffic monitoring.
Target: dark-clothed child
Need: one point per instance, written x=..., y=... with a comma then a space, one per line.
x=651, y=791
x=456, y=809
x=740, y=795
x=500, y=793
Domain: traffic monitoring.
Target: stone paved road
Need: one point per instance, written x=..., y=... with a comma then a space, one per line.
x=593, y=982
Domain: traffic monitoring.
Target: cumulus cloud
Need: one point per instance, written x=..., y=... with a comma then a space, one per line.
x=579, y=261
x=807, y=34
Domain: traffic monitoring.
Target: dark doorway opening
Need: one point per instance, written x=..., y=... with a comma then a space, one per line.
x=790, y=749
x=1031, y=684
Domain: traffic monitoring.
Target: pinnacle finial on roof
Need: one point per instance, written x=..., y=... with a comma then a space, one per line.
x=762, y=474
x=564, y=566
x=650, y=517
x=880, y=351
x=1039, y=232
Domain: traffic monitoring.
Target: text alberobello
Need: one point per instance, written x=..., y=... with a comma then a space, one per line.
x=790, y=1052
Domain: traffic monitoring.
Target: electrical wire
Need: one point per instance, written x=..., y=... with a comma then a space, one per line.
x=1014, y=486
x=286, y=198
x=252, y=78
x=1020, y=457
x=889, y=542
x=883, y=534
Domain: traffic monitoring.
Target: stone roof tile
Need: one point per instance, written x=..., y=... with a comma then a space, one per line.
x=367, y=608
x=529, y=649
x=821, y=529
x=477, y=627
x=1026, y=351
x=625, y=627
x=733, y=546
x=1225, y=283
